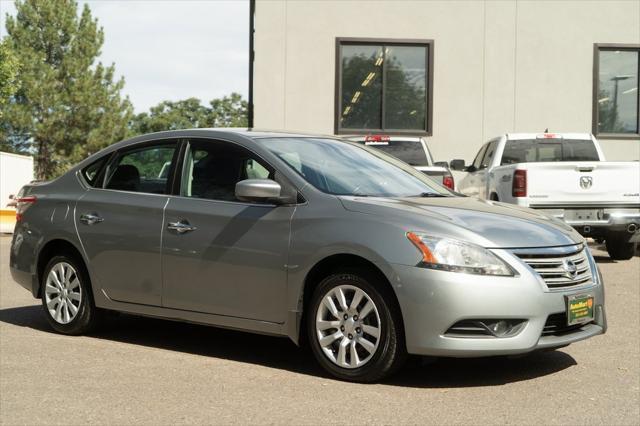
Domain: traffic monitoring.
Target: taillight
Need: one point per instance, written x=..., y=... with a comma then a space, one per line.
x=22, y=204
x=519, y=188
x=377, y=138
x=447, y=181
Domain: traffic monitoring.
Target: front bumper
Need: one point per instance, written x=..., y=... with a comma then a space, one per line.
x=432, y=301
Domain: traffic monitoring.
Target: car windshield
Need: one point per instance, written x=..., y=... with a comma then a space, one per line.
x=410, y=152
x=539, y=150
x=345, y=168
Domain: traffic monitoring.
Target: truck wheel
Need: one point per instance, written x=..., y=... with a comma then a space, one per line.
x=619, y=248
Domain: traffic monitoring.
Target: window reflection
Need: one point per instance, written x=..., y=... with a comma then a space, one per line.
x=618, y=91
x=383, y=87
x=405, y=92
x=361, y=87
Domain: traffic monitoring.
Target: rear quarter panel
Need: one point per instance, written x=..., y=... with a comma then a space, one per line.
x=49, y=218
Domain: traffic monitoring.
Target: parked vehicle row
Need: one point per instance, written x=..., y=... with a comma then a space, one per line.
x=293, y=234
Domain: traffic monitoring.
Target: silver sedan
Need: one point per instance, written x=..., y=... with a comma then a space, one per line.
x=297, y=235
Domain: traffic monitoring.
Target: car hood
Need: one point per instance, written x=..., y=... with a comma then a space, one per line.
x=488, y=223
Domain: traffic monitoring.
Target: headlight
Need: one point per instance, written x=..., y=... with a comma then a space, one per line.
x=457, y=256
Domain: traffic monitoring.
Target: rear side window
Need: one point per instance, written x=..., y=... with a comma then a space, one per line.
x=411, y=152
x=144, y=169
x=550, y=150
x=93, y=172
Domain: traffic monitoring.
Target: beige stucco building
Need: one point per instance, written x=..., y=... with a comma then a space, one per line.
x=489, y=67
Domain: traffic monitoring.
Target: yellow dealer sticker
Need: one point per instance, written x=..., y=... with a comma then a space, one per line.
x=579, y=308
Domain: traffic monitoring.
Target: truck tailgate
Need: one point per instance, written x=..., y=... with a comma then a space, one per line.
x=583, y=183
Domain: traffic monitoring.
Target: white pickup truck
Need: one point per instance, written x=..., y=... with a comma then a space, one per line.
x=566, y=176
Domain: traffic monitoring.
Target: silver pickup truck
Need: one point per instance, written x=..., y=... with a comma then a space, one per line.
x=566, y=176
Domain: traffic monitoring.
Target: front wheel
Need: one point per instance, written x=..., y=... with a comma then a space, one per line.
x=66, y=296
x=354, y=330
x=619, y=247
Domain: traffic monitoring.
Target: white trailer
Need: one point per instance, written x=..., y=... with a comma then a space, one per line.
x=15, y=172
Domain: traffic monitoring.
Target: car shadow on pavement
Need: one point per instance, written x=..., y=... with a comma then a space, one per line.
x=281, y=353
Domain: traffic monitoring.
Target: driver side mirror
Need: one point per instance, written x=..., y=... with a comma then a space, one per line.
x=458, y=165
x=258, y=190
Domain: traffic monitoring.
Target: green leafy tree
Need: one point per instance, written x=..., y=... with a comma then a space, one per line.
x=67, y=106
x=9, y=66
x=229, y=111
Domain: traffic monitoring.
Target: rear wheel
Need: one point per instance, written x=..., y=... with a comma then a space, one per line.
x=354, y=333
x=66, y=296
x=619, y=247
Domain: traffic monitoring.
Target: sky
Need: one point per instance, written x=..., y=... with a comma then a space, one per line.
x=171, y=49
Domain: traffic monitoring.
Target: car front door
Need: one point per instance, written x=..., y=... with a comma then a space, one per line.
x=470, y=184
x=222, y=255
x=119, y=223
x=481, y=175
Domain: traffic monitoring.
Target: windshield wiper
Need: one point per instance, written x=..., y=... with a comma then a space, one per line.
x=430, y=195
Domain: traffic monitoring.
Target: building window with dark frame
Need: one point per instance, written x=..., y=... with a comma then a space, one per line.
x=615, y=90
x=383, y=86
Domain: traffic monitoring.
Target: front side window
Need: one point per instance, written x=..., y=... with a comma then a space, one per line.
x=143, y=169
x=212, y=168
x=383, y=86
x=489, y=154
x=328, y=165
x=616, y=97
x=478, y=160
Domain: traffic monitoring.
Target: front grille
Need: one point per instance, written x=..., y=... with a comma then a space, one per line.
x=556, y=325
x=554, y=268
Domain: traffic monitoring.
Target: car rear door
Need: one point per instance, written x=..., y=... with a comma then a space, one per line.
x=221, y=255
x=119, y=223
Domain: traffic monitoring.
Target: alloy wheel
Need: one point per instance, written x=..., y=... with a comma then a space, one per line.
x=348, y=326
x=63, y=293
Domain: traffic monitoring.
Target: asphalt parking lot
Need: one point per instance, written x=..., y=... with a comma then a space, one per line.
x=147, y=371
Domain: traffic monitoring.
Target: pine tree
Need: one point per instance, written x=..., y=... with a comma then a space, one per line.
x=67, y=107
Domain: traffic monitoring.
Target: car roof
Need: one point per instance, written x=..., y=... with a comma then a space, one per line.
x=517, y=136
x=392, y=138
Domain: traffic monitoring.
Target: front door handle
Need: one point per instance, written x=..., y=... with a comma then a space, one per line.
x=181, y=226
x=90, y=219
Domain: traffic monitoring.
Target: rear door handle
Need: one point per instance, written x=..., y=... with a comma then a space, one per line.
x=90, y=219
x=181, y=226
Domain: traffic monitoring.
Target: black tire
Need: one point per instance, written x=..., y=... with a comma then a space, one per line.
x=619, y=247
x=87, y=315
x=391, y=350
